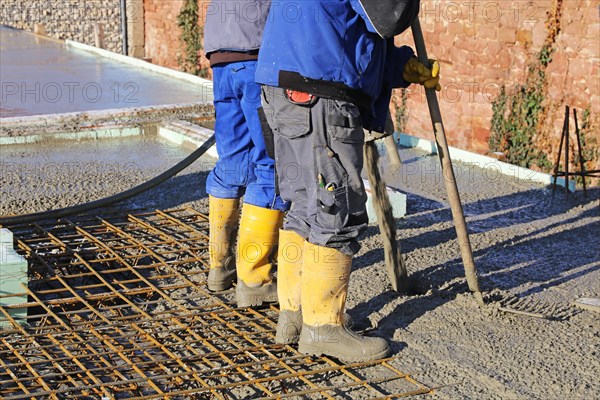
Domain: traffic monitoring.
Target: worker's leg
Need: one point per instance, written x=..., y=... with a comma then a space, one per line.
x=230, y=176
x=325, y=279
x=324, y=143
x=319, y=156
x=290, y=262
x=227, y=181
x=262, y=212
x=261, y=185
x=223, y=219
x=289, y=279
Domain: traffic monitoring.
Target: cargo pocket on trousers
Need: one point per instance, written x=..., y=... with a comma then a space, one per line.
x=332, y=190
x=332, y=208
x=344, y=122
x=291, y=120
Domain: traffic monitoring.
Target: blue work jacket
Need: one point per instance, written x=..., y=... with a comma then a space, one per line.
x=334, y=48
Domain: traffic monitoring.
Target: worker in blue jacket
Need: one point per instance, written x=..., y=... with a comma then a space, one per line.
x=328, y=68
x=233, y=34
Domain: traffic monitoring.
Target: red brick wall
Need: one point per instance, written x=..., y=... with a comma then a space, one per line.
x=481, y=45
x=163, y=45
x=162, y=33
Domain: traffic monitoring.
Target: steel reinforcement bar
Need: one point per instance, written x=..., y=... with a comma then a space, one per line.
x=118, y=309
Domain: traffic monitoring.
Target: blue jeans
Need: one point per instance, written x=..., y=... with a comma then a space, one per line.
x=244, y=167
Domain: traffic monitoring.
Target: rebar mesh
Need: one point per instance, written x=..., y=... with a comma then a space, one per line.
x=118, y=309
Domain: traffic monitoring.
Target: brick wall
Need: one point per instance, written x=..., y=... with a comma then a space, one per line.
x=162, y=33
x=481, y=45
x=162, y=42
x=67, y=19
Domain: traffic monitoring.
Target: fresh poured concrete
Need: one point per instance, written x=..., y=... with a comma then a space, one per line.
x=55, y=174
x=41, y=76
x=526, y=243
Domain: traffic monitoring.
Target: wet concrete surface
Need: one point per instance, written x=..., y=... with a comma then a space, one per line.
x=526, y=242
x=43, y=76
x=58, y=174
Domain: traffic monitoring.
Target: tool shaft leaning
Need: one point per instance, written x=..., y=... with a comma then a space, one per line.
x=448, y=172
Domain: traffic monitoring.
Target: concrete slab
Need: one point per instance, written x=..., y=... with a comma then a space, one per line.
x=496, y=167
x=44, y=76
x=397, y=200
x=588, y=303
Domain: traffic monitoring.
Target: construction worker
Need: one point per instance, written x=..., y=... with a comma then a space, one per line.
x=233, y=34
x=328, y=68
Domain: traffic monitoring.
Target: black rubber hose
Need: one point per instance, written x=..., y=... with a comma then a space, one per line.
x=81, y=208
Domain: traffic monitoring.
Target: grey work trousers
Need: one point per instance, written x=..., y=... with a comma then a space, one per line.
x=319, y=159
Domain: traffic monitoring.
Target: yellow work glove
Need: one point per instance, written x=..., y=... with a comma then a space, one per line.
x=415, y=72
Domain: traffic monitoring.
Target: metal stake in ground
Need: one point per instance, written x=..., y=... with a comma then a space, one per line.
x=448, y=172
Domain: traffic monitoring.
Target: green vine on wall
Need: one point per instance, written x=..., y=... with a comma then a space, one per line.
x=191, y=38
x=517, y=116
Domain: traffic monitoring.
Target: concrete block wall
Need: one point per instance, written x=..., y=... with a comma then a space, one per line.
x=70, y=19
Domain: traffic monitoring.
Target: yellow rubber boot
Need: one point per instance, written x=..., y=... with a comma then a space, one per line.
x=257, y=243
x=223, y=219
x=325, y=278
x=289, y=282
x=289, y=279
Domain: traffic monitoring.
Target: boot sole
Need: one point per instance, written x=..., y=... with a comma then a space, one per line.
x=318, y=351
x=255, y=301
x=287, y=340
x=219, y=287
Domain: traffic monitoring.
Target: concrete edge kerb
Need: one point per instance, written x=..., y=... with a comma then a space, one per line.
x=485, y=162
x=141, y=64
x=96, y=114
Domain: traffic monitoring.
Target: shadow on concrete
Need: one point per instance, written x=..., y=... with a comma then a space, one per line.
x=541, y=258
x=172, y=193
